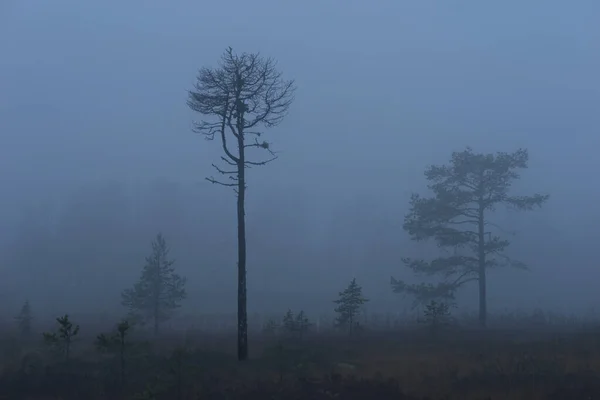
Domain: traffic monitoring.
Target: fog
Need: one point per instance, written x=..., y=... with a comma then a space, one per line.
x=97, y=153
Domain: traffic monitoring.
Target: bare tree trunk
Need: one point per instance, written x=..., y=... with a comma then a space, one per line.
x=245, y=92
x=242, y=315
x=482, y=277
x=157, y=290
x=155, y=311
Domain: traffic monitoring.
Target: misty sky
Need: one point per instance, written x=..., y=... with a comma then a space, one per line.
x=95, y=91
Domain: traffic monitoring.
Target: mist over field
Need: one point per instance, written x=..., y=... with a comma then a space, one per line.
x=97, y=153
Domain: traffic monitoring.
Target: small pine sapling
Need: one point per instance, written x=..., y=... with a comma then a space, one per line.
x=271, y=327
x=349, y=303
x=289, y=323
x=302, y=324
x=63, y=338
x=115, y=343
x=297, y=325
x=437, y=315
x=24, y=320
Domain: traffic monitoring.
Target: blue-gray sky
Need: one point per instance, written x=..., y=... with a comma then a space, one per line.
x=95, y=91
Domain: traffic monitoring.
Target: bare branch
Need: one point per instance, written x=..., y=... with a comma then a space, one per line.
x=245, y=91
x=501, y=229
x=261, y=162
x=223, y=172
x=460, y=280
x=207, y=129
x=213, y=180
x=466, y=221
x=233, y=164
x=261, y=145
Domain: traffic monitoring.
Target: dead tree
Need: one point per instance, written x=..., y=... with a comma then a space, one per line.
x=244, y=93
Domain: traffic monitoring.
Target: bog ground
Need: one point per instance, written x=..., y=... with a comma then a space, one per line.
x=523, y=359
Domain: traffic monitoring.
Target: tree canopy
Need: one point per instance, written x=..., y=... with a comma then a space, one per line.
x=465, y=192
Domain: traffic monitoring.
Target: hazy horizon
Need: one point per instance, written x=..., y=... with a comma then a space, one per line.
x=97, y=153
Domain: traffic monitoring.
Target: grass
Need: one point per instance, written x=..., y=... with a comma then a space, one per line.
x=523, y=362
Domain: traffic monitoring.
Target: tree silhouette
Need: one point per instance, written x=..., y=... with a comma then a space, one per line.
x=465, y=192
x=24, y=320
x=159, y=291
x=349, y=303
x=244, y=93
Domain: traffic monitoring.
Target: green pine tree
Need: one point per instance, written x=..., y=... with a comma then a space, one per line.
x=302, y=324
x=62, y=338
x=159, y=291
x=289, y=324
x=465, y=193
x=349, y=304
x=437, y=315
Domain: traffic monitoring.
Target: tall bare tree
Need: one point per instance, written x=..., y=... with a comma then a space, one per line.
x=244, y=93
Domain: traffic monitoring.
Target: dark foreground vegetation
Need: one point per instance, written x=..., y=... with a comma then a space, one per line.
x=532, y=358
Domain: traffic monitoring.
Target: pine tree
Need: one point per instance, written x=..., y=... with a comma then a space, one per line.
x=437, y=314
x=457, y=217
x=159, y=291
x=296, y=326
x=271, y=327
x=349, y=303
x=302, y=324
x=289, y=324
x=63, y=338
